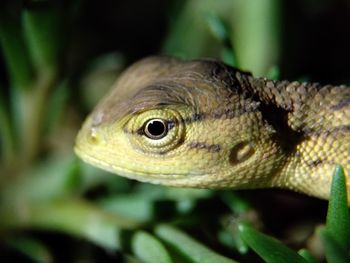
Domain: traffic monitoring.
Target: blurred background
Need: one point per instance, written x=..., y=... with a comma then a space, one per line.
x=58, y=58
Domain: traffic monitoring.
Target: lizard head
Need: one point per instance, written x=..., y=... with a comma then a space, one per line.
x=180, y=123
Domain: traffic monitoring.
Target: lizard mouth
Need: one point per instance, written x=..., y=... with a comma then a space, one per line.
x=154, y=178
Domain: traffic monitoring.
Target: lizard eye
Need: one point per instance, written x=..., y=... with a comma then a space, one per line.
x=156, y=129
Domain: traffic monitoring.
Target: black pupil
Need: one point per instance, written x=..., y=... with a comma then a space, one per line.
x=156, y=128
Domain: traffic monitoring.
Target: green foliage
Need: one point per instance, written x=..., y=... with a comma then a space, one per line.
x=229, y=28
x=307, y=255
x=35, y=250
x=148, y=249
x=41, y=24
x=191, y=249
x=15, y=52
x=338, y=218
x=270, y=249
x=257, y=44
x=335, y=235
x=334, y=251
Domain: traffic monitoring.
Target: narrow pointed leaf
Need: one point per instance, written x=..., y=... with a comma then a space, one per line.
x=335, y=252
x=270, y=249
x=307, y=255
x=191, y=249
x=338, y=219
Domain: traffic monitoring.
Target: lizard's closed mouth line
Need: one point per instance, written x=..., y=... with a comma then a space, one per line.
x=133, y=174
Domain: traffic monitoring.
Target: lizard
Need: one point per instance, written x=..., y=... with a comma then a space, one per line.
x=204, y=124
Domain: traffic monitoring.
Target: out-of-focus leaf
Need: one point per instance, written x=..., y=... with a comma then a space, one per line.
x=256, y=34
x=99, y=77
x=338, y=217
x=270, y=249
x=7, y=144
x=42, y=28
x=335, y=252
x=58, y=100
x=173, y=193
x=273, y=73
x=32, y=249
x=307, y=255
x=74, y=217
x=51, y=180
x=221, y=32
x=228, y=56
x=190, y=35
x=140, y=204
x=185, y=198
x=15, y=51
x=133, y=205
x=218, y=28
x=92, y=177
x=237, y=204
x=127, y=258
x=191, y=249
x=149, y=249
x=73, y=177
x=233, y=241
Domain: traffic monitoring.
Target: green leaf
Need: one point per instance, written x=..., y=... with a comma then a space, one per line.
x=191, y=36
x=55, y=178
x=72, y=216
x=220, y=30
x=56, y=105
x=270, y=249
x=273, y=73
x=149, y=249
x=7, y=140
x=218, y=27
x=99, y=77
x=32, y=248
x=307, y=255
x=256, y=34
x=233, y=241
x=132, y=205
x=335, y=252
x=235, y=202
x=228, y=56
x=42, y=28
x=338, y=218
x=15, y=51
x=190, y=248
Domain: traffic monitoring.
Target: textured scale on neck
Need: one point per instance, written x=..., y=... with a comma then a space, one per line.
x=314, y=122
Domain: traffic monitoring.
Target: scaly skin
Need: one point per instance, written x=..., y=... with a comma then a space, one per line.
x=223, y=128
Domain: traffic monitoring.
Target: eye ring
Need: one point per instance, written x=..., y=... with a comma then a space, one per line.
x=156, y=129
x=167, y=139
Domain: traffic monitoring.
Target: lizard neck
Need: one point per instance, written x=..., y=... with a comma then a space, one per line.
x=309, y=169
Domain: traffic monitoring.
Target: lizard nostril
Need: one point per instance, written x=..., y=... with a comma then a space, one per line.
x=93, y=136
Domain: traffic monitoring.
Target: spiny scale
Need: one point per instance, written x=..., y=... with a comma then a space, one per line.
x=228, y=129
